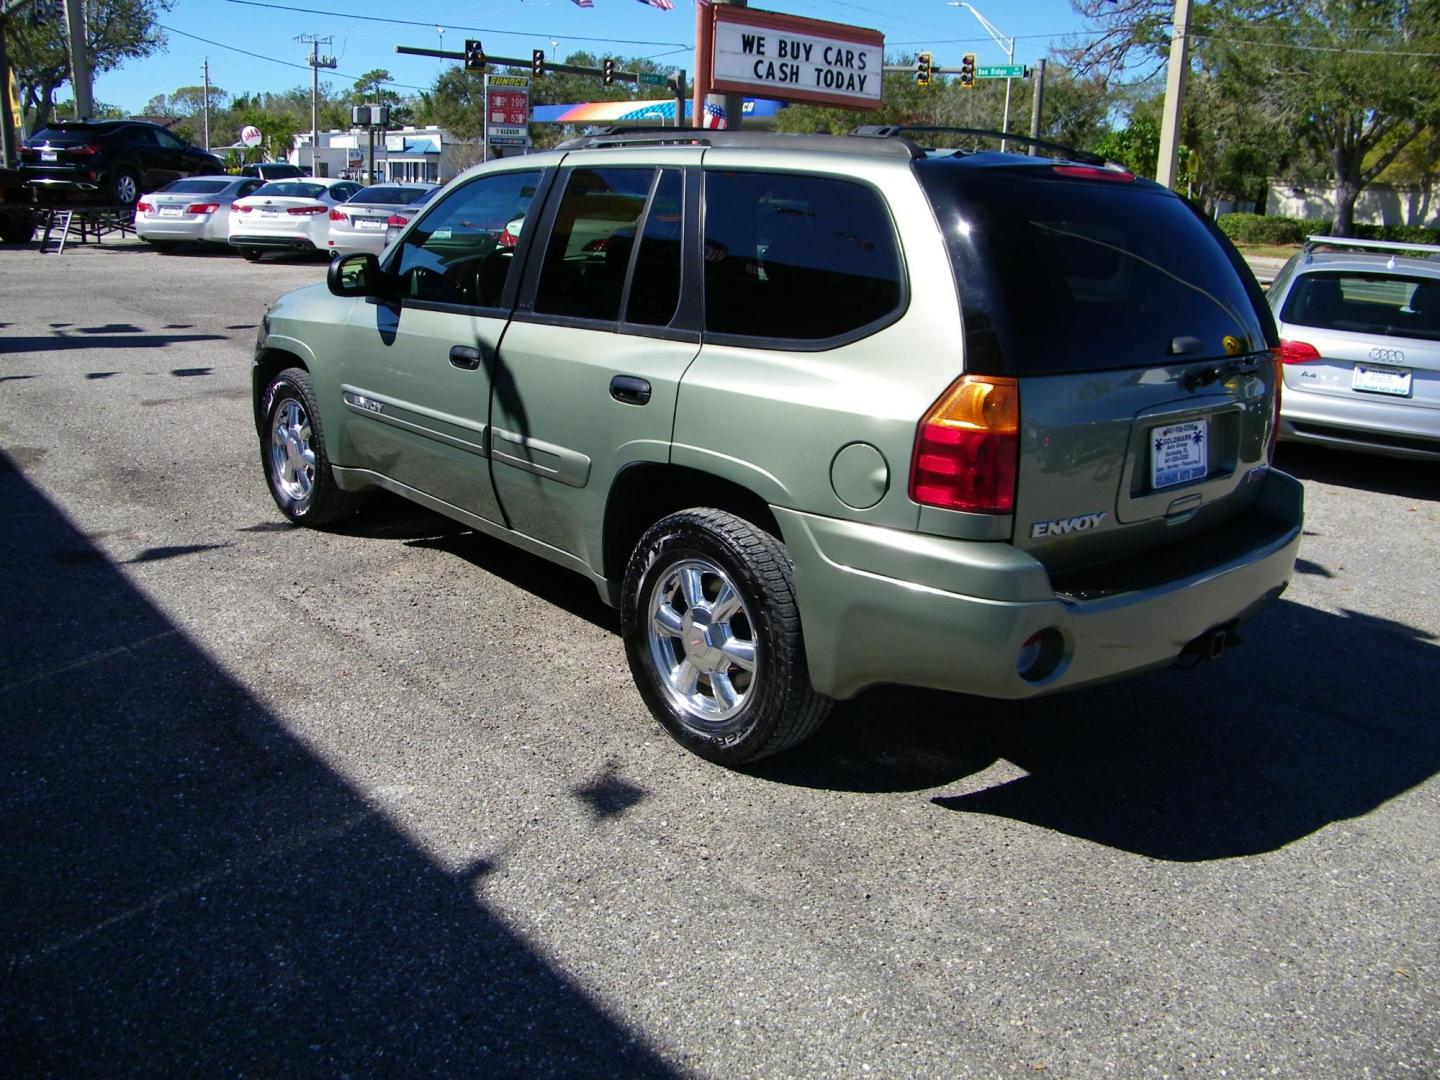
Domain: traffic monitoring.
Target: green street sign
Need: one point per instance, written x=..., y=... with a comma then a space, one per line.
x=647, y=78
x=1000, y=71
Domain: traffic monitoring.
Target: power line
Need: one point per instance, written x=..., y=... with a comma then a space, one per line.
x=430, y=25
x=271, y=59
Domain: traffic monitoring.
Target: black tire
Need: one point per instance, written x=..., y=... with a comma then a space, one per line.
x=305, y=493
x=125, y=186
x=251, y=254
x=777, y=707
x=16, y=228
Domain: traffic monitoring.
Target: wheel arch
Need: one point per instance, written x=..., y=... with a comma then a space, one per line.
x=266, y=366
x=644, y=492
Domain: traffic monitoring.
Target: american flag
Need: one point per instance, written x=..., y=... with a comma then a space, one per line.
x=663, y=5
x=713, y=116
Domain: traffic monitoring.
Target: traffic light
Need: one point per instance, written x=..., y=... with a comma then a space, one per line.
x=474, y=55
x=537, y=63
x=967, y=71
x=922, y=69
x=609, y=72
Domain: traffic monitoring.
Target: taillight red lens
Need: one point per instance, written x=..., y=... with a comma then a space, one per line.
x=396, y=219
x=335, y=215
x=967, y=447
x=302, y=211
x=1279, y=373
x=240, y=208
x=143, y=207
x=1297, y=352
x=1094, y=172
x=202, y=208
x=85, y=150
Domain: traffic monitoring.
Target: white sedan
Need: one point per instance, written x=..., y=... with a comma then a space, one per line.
x=287, y=215
x=194, y=210
x=360, y=224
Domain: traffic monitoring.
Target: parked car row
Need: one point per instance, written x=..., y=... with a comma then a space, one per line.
x=295, y=214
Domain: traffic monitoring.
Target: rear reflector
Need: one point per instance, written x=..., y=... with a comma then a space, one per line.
x=1297, y=352
x=1094, y=172
x=967, y=447
x=302, y=211
x=202, y=208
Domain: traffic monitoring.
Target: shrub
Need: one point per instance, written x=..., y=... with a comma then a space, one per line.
x=1266, y=229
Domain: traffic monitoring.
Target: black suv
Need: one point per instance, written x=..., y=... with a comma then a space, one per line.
x=112, y=161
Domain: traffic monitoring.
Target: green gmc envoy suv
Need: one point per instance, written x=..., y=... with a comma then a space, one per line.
x=815, y=412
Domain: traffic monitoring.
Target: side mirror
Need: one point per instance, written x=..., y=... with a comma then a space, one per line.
x=354, y=275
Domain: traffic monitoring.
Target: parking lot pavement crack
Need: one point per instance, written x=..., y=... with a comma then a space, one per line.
x=86, y=661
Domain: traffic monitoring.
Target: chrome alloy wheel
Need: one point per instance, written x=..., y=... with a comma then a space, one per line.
x=702, y=641
x=126, y=190
x=292, y=459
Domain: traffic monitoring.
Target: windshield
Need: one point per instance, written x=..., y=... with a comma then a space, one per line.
x=197, y=187
x=1366, y=304
x=1061, y=275
x=290, y=189
x=388, y=195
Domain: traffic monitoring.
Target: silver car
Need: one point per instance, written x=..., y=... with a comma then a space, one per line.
x=361, y=223
x=193, y=210
x=400, y=216
x=1360, y=346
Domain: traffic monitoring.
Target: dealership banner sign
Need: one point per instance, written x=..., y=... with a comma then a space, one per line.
x=765, y=54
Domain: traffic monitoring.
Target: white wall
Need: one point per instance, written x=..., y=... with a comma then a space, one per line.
x=1379, y=204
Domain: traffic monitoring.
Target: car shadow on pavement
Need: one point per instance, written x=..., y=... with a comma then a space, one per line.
x=188, y=889
x=1319, y=718
x=1368, y=472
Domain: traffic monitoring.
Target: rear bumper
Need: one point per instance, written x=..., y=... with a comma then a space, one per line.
x=885, y=606
x=180, y=232
x=272, y=240
x=354, y=243
x=1373, y=425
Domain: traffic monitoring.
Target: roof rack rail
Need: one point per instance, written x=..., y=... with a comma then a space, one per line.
x=1311, y=242
x=748, y=140
x=885, y=131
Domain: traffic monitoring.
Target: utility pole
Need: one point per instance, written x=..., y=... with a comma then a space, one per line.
x=316, y=63
x=206, y=100
x=79, y=59
x=1174, y=96
x=1038, y=103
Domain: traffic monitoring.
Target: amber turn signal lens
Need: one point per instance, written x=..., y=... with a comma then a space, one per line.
x=978, y=403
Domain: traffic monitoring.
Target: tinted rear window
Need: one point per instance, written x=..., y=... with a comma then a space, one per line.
x=291, y=190
x=1366, y=304
x=387, y=196
x=1059, y=275
x=197, y=187
x=65, y=136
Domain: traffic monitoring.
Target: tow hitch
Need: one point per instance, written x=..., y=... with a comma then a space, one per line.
x=1208, y=646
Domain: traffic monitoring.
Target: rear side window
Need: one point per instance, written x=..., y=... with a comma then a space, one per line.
x=797, y=257
x=655, y=287
x=589, y=248
x=1365, y=304
x=1058, y=275
x=196, y=187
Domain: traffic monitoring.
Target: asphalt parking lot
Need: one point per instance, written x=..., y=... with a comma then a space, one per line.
x=384, y=800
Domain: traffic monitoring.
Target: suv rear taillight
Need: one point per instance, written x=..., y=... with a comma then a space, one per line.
x=967, y=447
x=1297, y=352
x=202, y=208
x=1279, y=360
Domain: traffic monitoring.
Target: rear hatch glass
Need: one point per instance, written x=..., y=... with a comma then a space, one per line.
x=69, y=135
x=1141, y=347
x=1361, y=303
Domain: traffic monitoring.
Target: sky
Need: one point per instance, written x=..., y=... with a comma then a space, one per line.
x=228, y=32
